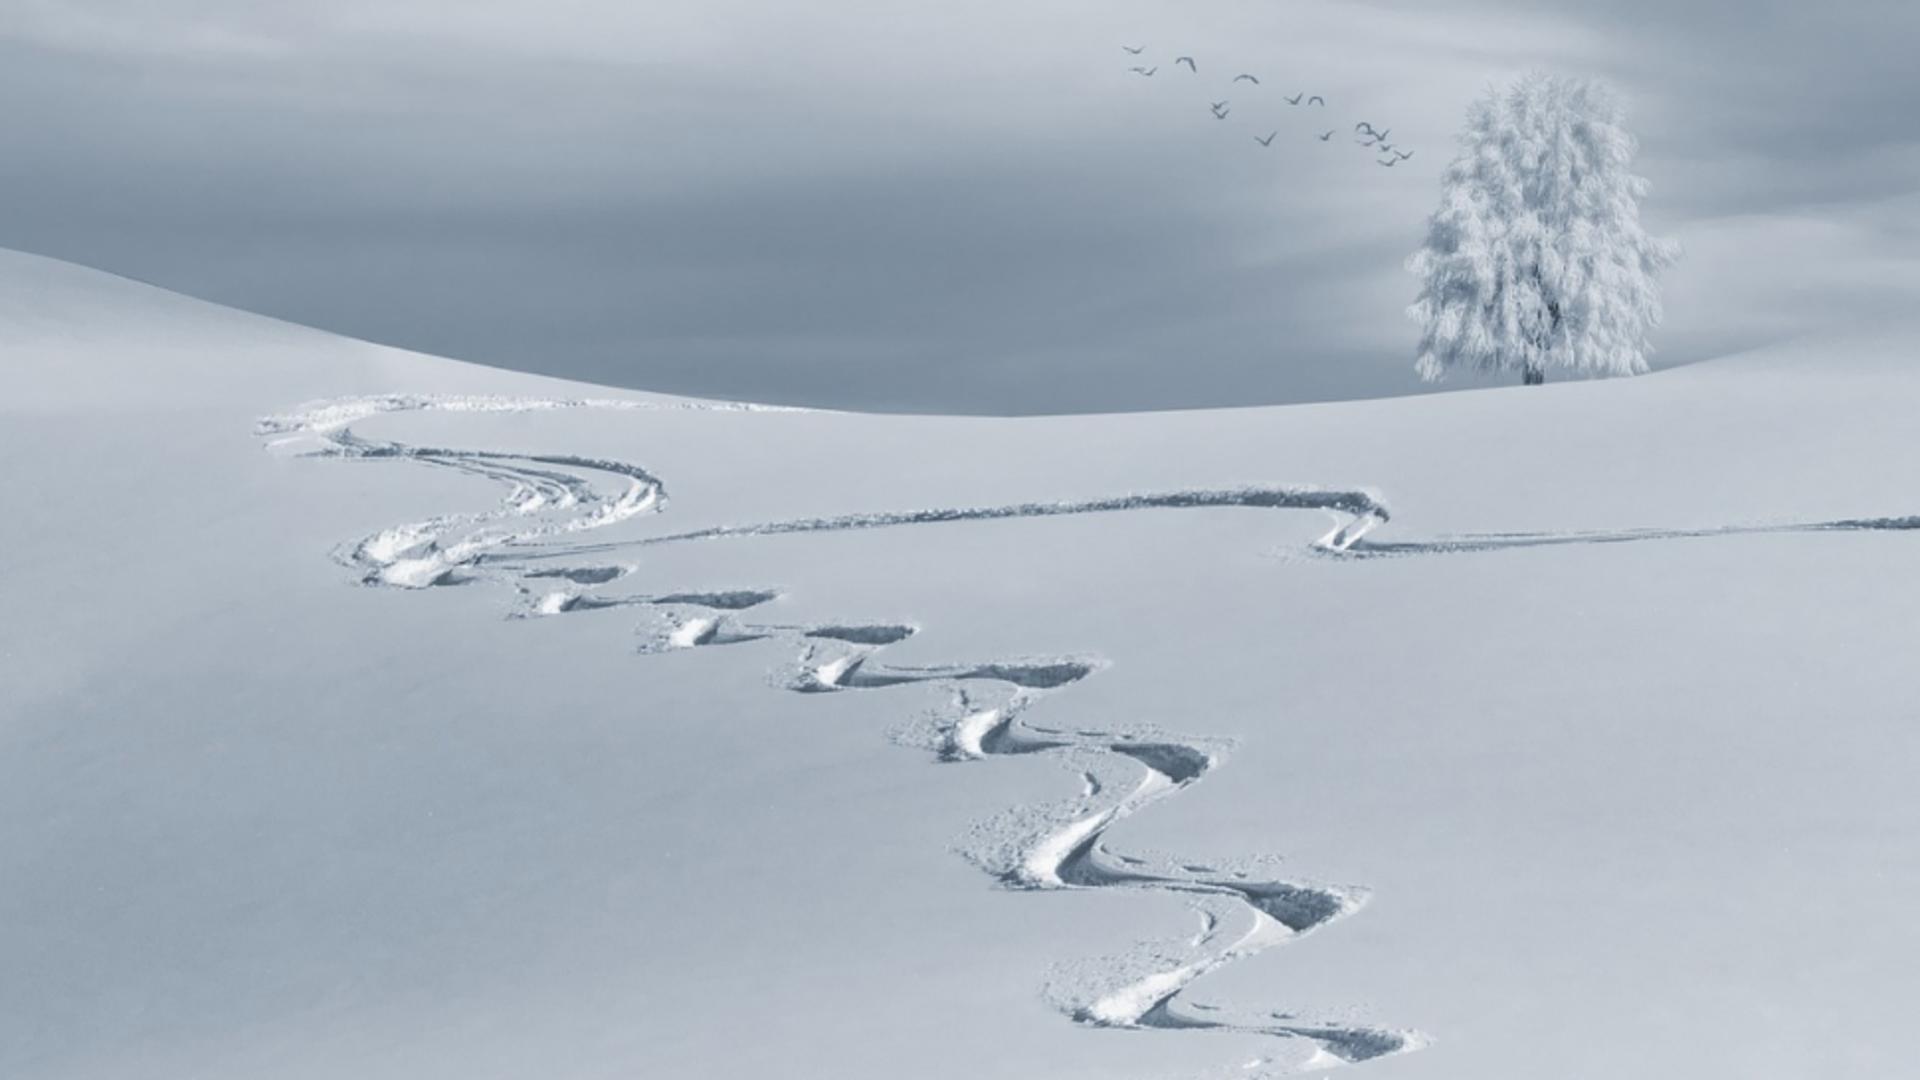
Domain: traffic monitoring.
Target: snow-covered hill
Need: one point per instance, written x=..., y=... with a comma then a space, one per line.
x=369, y=714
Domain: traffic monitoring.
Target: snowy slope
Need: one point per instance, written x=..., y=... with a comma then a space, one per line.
x=374, y=715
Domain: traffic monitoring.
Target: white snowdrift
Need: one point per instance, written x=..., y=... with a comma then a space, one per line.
x=1598, y=695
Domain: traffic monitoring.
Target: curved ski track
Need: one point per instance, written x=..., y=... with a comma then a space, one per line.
x=553, y=498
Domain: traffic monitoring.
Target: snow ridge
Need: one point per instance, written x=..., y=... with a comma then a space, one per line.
x=1478, y=542
x=324, y=417
x=552, y=498
x=1360, y=512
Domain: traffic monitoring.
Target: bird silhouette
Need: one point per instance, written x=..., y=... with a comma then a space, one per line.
x=1328, y=136
x=1146, y=71
x=1187, y=60
x=1403, y=154
x=1364, y=126
x=1388, y=163
x=1133, y=50
x=1295, y=99
x=1221, y=114
x=1268, y=141
x=1247, y=77
x=1316, y=100
x=1218, y=105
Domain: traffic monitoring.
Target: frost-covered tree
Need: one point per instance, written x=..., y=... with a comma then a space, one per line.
x=1536, y=258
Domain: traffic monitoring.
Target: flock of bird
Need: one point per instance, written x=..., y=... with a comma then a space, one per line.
x=1365, y=134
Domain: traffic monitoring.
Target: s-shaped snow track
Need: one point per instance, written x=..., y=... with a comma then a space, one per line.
x=532, y=543
x=533, y=540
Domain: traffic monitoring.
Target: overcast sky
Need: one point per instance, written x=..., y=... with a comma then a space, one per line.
x=958, y=206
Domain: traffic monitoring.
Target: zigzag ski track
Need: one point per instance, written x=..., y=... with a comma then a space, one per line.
x=534, y=542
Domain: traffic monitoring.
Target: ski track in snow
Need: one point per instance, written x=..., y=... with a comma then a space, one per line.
x=552, y=499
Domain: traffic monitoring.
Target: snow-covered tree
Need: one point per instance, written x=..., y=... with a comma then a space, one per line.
x=1536, y=258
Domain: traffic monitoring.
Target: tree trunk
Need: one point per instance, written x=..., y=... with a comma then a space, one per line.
x=1532, y=375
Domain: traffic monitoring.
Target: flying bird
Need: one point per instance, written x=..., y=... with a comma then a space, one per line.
x=1388, y=162
x=1144, y=71
x=1187, y=60
x=1295, y=99
x=1247, y=77
x=1316, y=100
x=1403, y=154
x=1133, y=50
x=1328, y=136
x=1268, y=141
x=1218, y=105
x=1364, y=126
x=1221, y=114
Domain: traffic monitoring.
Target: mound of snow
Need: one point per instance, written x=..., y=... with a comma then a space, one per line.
x=1625, y=673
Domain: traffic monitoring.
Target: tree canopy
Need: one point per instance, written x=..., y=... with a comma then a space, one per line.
x=1536, y=259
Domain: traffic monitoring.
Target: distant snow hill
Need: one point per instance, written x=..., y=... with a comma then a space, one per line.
x=371, y=714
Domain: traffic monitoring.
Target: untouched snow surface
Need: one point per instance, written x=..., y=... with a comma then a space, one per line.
x=370, y=714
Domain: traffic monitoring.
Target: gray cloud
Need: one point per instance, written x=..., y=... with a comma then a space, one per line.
x=962, y=207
